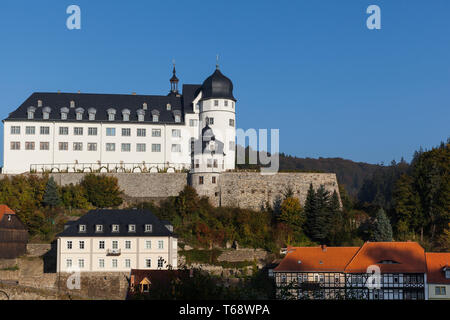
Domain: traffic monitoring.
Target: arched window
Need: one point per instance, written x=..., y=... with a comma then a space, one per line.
x=111, y=114
x=30, y=112
x=92, y=112
x=79, y=113
x=140, y=114
x=46, y=113
x=177, y=115
x=126, y=115
x=155, y=115
x=64, y=112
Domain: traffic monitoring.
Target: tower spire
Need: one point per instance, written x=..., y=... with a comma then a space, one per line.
x=217, y=61
x=174, y=80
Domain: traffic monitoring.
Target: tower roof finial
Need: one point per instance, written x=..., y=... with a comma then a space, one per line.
x=217, y=61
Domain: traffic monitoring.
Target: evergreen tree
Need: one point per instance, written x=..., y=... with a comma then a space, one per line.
x=51, y=195
x=382, y=230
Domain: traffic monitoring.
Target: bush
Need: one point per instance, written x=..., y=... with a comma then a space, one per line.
x=102, y=191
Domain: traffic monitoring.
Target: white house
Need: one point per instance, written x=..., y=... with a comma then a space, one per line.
x=72, y=132
x=116, y=240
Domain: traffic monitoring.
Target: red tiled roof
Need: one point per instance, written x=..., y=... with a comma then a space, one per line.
x=316, y=259
x=435, y=264
x=410, y=257
x=5, y=209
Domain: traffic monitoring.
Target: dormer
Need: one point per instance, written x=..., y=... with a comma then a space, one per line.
x=92, y=112
x=155, y=115
x=79, y=113
x=30, y=112
x=46, y=113
x=64, y=112
x=115, y=228
x=126, y=114
x=72, y=104
x=98, y=228
x=168, y=107
x=82, y=228
x=144, y=106
x=177, y=115
x=111, y=114
x=131, y=228
x=39, y=103
x=140, y=114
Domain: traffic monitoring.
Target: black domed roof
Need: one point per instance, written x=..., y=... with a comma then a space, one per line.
x=217, y=86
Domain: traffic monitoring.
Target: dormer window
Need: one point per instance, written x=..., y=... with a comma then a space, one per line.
x=177, y=118
x=46, y=113
x=148, y=228
x=30, y=112
x=92, y=112
x=212, y=146
x=177, y=115
x=39, y=103
x=140, y=114
x=169, y=107
x=144, y=106
x=99, y=228
x=72, y=104
x=111, y=114
x=82, y=228
x=79, y=112
x=115, y=228
x=447, y=272
x=64, y=112
x=155, y=115
x=131, y=228
x=126, y=115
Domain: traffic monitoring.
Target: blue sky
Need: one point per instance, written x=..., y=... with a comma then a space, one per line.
x=310, y=68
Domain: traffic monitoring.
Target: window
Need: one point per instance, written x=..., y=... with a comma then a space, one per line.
x=216, y=103
x=82, y=228
x=45, y=130
x=78, y=131
x=15, y=130
x=197, y=106
x=63, y=146
x=215, y=163
x=69, y=263
x=79, y=116
x=447, y=273
x=141, y=132
x=131, y=228
x=127, y=263
x=225, y=103
x=213, y=179
x=101, y=263
x=209, y=163
x=30, y=130
x=231, y=122
x=115, y=228
x=148, y=263
x=177, y=118
x=115, y=244
x=169, y=106
x=111, y=114
x=81, y=244
x=197, y=163
x=176, y=148
x=101, y=244
x=81, y=263
x=440, y=291
x=30, y=113
x=111, y=132
x=92, y=131
x=63, y=131
x=232, y=104
x=209, y=120
x=156, y=147
x=160, y=262
x=63, y=116
x=126, y=116
x=126, y=132
x=44, y=146
x=69, y=244
x=200, y=180
x=92, y=113
x=77, y=146
x=128, y=244
x=148, y=244
x=141, y=117
x=148, y=228
x=114, y=263
x=46, y=113
x=176, y=133
x=92, y=146
x=15, y=145
x=29, y=145
x=193, y=122
x=110, y=147
x=231, y=146
x=160, y=244
x=140, y=147
x=126, y=147
x=156, y=132
x=155, y=118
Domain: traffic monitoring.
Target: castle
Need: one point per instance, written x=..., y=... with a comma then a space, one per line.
x=189, y=134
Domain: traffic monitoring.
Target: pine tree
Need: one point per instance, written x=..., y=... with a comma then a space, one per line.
x=382, y=230
x=51, y=195
x=310, y=211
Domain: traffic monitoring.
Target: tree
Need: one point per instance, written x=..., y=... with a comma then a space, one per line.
x=292, y=214
x=382, y=230
x=51, y=195
x=102, y=191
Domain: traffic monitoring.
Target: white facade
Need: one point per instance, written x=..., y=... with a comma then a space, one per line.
x=110, y=254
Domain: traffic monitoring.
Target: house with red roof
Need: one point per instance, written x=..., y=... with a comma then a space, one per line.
x=13, y=234
x=374, y=271
x=438, y=275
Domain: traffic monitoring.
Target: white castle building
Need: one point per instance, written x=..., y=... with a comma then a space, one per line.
x=77, y=132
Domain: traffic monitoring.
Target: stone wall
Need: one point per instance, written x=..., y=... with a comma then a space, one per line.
x=38, y=249
x=253, y=190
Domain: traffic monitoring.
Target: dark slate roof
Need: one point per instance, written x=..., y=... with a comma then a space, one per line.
x=102, y=102
x=108, y=217
x=217, y=86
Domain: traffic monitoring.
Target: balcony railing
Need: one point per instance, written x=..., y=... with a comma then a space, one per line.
x=113, y=252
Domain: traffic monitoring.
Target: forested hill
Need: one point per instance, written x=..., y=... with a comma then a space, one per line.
x=349, y=173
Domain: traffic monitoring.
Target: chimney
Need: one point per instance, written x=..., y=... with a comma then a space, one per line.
x=324, y=247
x=79, y=91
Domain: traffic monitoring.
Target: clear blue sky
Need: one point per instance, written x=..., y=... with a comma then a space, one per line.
x=310, y=68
